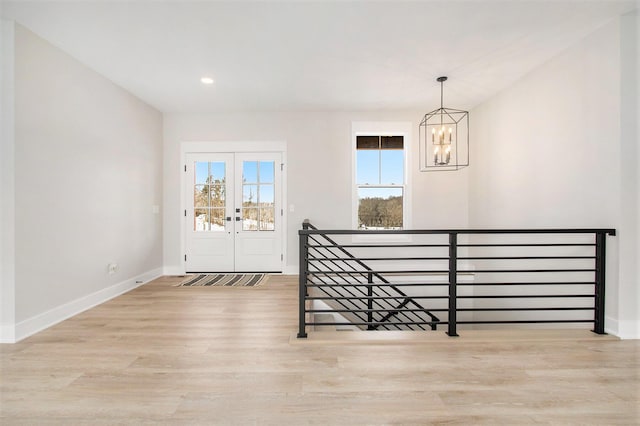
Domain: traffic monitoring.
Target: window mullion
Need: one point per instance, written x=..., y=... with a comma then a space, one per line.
x=379, y=160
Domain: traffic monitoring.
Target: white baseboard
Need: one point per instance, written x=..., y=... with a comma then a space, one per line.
x=7, y=333
x=611, y=326
x=290, y=270
x=30, y=326
x=625, y=329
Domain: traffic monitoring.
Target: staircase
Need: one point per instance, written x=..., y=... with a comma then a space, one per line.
x=363, y=297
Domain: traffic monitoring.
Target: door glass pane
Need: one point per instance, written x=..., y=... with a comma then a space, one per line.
x=266, y=171
x=267, y=219
x=266, y=196
x=217, y=195
x=216, y=172
x=249, y=196
x=250, y=219
x=217, y=220
x=202, y=172
x=201, y=220
x=200, y=196
x=250, y=172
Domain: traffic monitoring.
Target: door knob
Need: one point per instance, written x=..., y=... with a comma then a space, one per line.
x=228, y=218
x=238, y=219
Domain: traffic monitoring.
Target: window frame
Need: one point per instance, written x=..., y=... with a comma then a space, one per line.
x=382, y=128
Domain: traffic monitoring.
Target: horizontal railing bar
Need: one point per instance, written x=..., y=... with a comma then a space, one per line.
x=326, y=311
x=445, y=271
x=373, y=271
x=573, y=308
x=376, y=323
x=398, y=273
x=526, y=321
x=374, y=298
x=559, y=308
x=375, y=258
x=419, y=284
x=510, y=296
x=346, y=259
x=497, y=271
x=526, y=296
x=455, y=231
x=530, y=245
x=381, y=285
x=376, y=245
x=522, y=257
x=530, y=283
x=459, y=322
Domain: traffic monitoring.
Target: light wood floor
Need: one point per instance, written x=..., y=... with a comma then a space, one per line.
x=189, y=355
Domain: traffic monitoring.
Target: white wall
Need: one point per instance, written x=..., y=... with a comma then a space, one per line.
x=88, y=170
x=629, y=293
x=318, y=171
x=547, y=152
x=7, y=206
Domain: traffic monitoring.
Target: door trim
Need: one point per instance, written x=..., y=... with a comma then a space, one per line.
x=231, y=147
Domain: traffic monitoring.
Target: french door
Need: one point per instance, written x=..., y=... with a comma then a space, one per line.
x=233, y=215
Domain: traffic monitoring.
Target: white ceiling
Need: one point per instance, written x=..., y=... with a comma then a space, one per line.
x=313, y=55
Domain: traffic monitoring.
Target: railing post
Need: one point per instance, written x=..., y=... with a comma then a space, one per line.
x=453, y=283
x=370, y=301
x=601, y=260
x=302, y=280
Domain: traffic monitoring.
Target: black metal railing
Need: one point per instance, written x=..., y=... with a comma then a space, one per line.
x=471, y=277
x=359, y=292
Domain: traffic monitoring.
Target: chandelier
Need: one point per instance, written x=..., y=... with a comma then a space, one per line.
x=444, y=138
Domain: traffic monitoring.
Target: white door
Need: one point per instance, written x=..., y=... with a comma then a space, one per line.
x=233, y=212
x=209, y=213
x=259, y=232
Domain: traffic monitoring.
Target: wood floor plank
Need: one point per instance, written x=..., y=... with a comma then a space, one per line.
x=162, y=354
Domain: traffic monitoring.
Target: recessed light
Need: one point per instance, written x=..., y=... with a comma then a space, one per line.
x=206, y=80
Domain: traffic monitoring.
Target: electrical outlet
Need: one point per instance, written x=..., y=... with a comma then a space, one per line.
x=112, y=268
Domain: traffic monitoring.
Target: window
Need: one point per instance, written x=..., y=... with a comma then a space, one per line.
x=209, y=196
x=258, y=202
x=380, y=181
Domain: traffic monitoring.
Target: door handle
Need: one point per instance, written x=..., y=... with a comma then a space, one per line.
x=228, y=218
x=238, y=219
